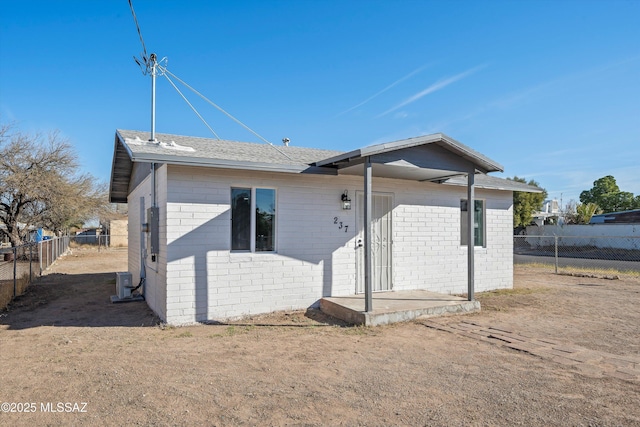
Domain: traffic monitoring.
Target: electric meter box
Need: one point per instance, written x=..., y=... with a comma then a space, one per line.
x=153, y=219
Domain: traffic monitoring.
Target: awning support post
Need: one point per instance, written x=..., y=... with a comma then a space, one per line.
x=470, y=233
x=368, y=270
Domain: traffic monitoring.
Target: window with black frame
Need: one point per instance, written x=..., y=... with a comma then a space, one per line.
x=240, y=219
x=261, y=201
x=479, y=231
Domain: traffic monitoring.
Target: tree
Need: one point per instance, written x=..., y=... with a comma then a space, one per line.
x=569, y=213
x=525, y=204
x=607, y=195
x=584, y=212
x=40, y=185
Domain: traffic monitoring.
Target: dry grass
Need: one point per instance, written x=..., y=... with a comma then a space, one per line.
x=590, y=271
x=509, y=292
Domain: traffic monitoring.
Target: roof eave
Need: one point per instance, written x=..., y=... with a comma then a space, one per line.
x=483, y=163
x=115, y=194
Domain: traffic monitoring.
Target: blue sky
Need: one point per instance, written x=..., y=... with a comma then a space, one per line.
x=550, y=89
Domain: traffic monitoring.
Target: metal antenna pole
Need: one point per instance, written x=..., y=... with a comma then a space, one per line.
x=153, y=64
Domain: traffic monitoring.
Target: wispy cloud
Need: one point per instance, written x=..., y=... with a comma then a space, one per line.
x=441, y=84
x=534, y=92
x=400, y=80
x=541, y=89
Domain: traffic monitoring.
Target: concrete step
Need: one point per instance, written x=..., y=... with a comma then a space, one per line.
x=395, y=306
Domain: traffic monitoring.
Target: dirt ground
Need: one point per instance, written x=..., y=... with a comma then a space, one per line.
x=556, y=350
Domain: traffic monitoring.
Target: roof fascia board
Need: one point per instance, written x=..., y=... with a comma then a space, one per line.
x=124, y=144
x=216, y=163
x=472, y=154
x=530, y=188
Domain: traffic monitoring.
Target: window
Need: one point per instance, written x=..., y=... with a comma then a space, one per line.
x=478, y=223
x=240, y=219
x=253, y=232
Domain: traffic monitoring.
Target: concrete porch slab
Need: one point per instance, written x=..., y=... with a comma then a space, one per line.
x=395, y=306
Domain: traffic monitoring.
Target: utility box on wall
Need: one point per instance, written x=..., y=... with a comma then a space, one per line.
x=153, y=219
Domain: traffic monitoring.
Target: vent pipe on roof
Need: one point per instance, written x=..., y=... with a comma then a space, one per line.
x=285, y=141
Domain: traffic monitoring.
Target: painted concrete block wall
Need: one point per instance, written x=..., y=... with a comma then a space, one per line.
x=427, y=253
x=139, y=200
x=495, y=269
x=205, y=280
x=315, y=256
x=134, y=236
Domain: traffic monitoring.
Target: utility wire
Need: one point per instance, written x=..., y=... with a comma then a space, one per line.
x=164, y=72
x=189, y=104
x=227, y=114
x=144, y=48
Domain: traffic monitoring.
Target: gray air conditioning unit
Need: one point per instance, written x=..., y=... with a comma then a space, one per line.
x=123, y=285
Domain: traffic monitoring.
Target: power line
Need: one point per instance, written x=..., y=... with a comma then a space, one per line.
x=217, y=106
x=190, y=105
x=145, y=57
x=152, y=66
x=226, y=113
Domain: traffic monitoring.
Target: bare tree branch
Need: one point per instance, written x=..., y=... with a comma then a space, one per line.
x=40, y=185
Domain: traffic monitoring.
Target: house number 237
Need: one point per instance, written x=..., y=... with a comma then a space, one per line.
x=340, y=224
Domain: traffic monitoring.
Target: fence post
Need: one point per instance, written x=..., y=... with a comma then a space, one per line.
x=555, y=238
x=15, y=272
x=30, y=262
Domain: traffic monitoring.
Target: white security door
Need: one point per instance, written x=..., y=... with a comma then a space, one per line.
x=380, y=242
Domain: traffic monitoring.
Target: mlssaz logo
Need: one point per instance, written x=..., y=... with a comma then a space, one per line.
x=63, y=407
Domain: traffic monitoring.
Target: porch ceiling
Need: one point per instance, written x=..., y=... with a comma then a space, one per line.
x=427, y=158
x=398, y=171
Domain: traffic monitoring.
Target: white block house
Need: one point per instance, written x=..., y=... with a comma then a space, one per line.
x=222, y=229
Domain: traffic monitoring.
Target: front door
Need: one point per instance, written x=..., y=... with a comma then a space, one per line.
x=380, y=242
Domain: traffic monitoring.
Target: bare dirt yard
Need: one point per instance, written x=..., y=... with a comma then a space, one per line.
x=556, y=350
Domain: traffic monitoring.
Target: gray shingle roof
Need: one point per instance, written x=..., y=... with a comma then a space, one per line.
x=134, y=146
x=213, y=151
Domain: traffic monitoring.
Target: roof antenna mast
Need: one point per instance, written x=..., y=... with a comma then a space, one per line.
x=149, y=65
x=153, y=65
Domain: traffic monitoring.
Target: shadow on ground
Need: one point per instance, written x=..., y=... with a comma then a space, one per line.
x=81, y=300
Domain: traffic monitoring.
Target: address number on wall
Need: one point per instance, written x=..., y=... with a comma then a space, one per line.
x=340, y=225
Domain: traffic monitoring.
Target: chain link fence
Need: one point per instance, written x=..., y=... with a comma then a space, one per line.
x=589, y=255
x=21, y=265
x=101, y=241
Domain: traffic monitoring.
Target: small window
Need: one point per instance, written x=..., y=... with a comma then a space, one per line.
x=240, y=219
x=478, y=223
x=265, y=219
x=253, y=232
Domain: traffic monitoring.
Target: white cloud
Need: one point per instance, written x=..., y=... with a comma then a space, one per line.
x=441, y=84
x=400, y=80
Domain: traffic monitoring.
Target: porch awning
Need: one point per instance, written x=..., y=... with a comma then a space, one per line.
x=434, y=157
